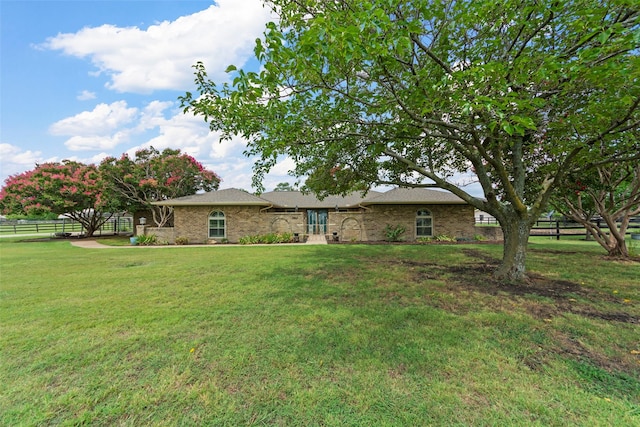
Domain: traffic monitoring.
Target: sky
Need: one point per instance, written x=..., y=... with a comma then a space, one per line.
x=86, y=79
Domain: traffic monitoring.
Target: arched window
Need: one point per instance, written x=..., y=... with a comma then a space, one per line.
x=217, y=225
x=424, y=223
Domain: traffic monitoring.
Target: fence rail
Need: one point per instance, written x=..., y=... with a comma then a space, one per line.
x=563, y=227
x=114, y=225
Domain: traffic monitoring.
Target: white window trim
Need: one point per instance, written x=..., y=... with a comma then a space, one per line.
x=223, y=217
x=423, y=216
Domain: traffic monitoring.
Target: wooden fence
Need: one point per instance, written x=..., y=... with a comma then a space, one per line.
x=562, y=226
x=112, y=226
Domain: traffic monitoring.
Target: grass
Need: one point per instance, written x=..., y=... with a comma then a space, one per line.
x=316, y=335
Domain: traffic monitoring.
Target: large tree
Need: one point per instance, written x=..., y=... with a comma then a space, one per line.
x=153, y=176
x=416, y=92
x=69, y=188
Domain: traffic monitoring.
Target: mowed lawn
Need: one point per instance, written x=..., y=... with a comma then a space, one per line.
x=358, y=335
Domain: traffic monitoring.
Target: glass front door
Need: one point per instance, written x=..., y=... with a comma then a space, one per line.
x=317, y=221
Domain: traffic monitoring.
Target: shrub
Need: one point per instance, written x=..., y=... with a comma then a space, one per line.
x=444, y=238
x=479, y=238
x=393, y=233
x=182, y=240
x=147, y=239
x=267, y=239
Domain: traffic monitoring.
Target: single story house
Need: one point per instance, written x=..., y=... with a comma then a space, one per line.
x=230, y=214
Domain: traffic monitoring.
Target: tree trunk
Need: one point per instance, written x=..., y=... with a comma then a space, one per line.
x=514, y=253
x=89, y=229
x=618, y=249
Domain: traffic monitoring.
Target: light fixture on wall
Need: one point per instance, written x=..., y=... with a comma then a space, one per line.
x=143, y=220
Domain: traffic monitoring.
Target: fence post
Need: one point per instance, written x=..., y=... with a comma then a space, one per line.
x=557, y=230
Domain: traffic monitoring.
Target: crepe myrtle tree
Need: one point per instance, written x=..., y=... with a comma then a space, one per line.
x=415, y=93
x=69, y=188
x=603, y=198
x=153, y=176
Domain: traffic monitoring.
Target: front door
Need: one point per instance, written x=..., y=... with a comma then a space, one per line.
x=317, y=221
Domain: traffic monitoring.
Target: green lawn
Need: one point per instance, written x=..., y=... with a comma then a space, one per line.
x=316, y=335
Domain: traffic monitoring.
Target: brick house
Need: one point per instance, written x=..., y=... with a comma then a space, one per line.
x=231, y=214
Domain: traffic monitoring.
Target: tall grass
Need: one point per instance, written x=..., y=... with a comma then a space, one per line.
x=315, y=335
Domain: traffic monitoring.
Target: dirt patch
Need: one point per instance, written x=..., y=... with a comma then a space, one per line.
x=466, y=287
x=565, y=296
x=551, y=251
x=414, y=243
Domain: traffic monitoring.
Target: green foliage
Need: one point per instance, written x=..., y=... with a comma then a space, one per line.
x=479, y=238
x=182, y=240
x=444, y=238
x=270, y=238
x=284, y=186
x=51, y=189
x=439, y=238
x=361, y=93
x=147, y=239
x=603, y=198
x=34, y=217
x=394, y=233
x=154, y=176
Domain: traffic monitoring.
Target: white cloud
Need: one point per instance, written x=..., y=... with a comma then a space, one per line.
x=102, y=119
x=86, y=95
x=283, y=167
x=96, y=142
x=15, y=160
x=160, y=57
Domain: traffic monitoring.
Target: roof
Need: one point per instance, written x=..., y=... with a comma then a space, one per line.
x=413, y=196
x=297, y=199
x=291, y=199
x=229, y=196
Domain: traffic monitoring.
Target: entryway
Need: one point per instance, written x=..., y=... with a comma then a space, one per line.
x=317, y=221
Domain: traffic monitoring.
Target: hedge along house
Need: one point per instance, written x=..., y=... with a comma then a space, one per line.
x=230, y=214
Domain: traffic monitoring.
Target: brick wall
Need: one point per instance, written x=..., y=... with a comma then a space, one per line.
x=453, y=220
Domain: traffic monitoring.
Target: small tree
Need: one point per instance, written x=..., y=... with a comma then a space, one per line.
x=69, y=188
x=611, y=192
x=284, y=186
x=154, y=176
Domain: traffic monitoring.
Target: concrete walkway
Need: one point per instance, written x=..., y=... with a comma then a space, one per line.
x=93, y=244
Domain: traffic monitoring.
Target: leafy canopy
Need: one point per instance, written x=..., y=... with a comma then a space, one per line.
x=68, y=188
x=153, y=176
x=415, y=93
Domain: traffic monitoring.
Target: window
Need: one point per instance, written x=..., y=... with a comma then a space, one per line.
x=424, y=224
x=217, y=225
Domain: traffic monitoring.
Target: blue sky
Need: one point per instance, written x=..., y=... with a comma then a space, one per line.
x=85, y=79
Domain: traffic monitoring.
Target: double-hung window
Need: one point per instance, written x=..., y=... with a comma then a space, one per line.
x=217, y=225
x=424, y=223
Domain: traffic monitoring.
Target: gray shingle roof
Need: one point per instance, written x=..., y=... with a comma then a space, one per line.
x=292, y=199
x=412, y=196
x=229, y=196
